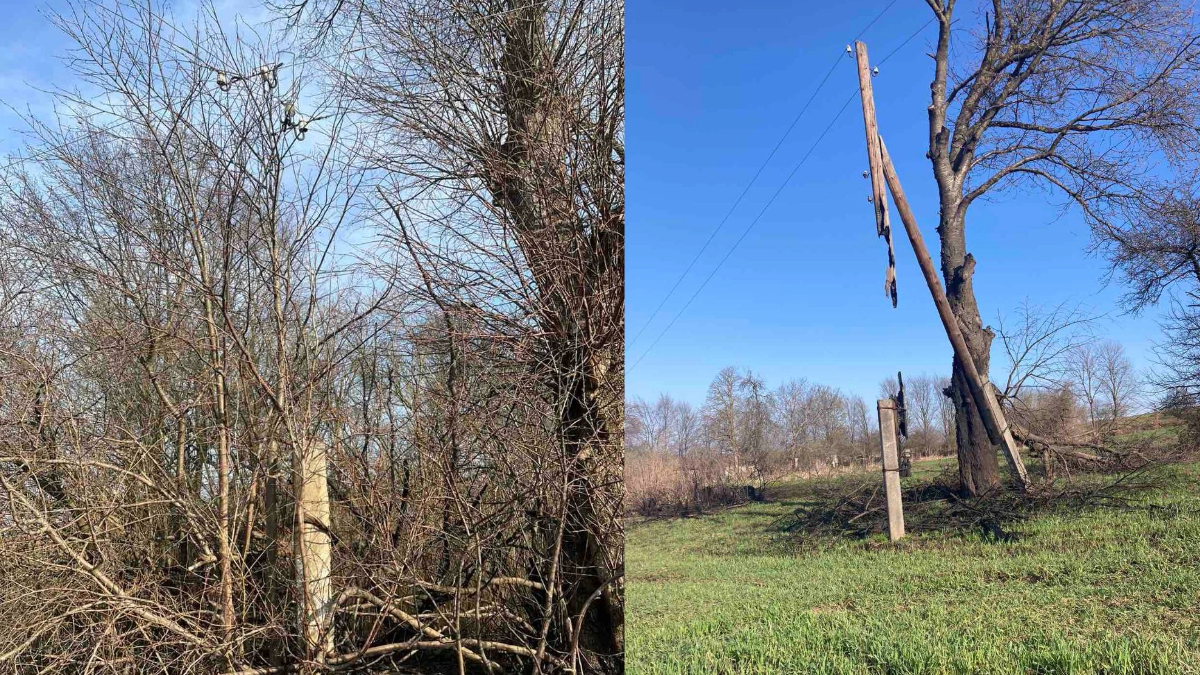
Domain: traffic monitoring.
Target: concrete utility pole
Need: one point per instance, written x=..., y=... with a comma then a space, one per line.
x=981, y=390
x=891, y=467
x=315, y=548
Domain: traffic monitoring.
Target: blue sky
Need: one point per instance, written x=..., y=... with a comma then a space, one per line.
x=711, y=87
x=32, y=53
x=29, y=47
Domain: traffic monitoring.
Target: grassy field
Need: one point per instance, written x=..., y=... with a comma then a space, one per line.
x=797, y=585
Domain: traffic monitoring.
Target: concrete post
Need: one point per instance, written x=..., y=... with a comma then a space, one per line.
x=891, y=467
x=315, y=548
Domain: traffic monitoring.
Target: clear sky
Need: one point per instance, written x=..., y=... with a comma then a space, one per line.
x=29, y=46
x=32, y=54
x=711, y=88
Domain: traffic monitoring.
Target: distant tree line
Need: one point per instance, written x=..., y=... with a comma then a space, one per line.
x=682, y=458
x=1062, y=382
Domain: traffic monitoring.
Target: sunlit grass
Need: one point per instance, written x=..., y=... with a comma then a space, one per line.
x=1095, y=590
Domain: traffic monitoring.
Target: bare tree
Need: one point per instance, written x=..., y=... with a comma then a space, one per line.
x=1067, y=95
x=1179, y=353
x=182, y=246
x=500, y=129
x=793, y=421
x=656, y=422
x=859, y=427
x=1084, y=370
x=919, y=395
x=1118, y=379
x=251, y=444
x=743, y=440
x=1156, y=250
x=721, y=413
x=755, y=418
x=1038, y=345
x=827, y=415
x=945, y=414
x=687, y=428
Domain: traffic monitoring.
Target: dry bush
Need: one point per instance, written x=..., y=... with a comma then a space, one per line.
x=233, y=441
x=654, y=483
x=667, y=485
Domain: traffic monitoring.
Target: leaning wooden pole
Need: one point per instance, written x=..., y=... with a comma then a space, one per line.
x=883, y=226
x=981, y=390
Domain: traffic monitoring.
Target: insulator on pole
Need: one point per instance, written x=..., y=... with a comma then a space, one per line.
x=866, y=173
x=289, y=114
x=268, y=73
x=222, y=80
x=875, y=71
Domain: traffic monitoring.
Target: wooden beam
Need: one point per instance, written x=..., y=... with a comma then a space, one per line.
x=981, y=389
x=883, y=226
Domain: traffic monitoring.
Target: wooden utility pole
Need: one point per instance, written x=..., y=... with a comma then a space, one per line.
x=874, y=153
x=981, y=390
x=891, y=467
x=883, y=226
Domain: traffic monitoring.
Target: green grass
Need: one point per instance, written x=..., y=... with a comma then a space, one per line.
x=1076, y=589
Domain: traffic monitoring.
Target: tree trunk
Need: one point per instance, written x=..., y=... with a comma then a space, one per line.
x=978, y=466
x=587, y=430
x=570, y=261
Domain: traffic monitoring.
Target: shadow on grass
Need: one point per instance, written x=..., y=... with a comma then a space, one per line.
x=855, y=508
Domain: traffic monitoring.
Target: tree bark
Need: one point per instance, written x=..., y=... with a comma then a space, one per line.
x=978, y=466
x=569, y=265
x=588, y=429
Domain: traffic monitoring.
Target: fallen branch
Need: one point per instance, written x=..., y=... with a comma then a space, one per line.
x=1035, y=440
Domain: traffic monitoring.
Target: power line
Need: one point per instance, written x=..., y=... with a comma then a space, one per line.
x=907, y=40
x=48, y=149
x=747, y=230
x=771, y=200
x=754, y=179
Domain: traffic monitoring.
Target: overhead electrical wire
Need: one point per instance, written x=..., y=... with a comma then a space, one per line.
x=49, y=148
x=747, y=230
x=787, y=132
x=771, y=200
